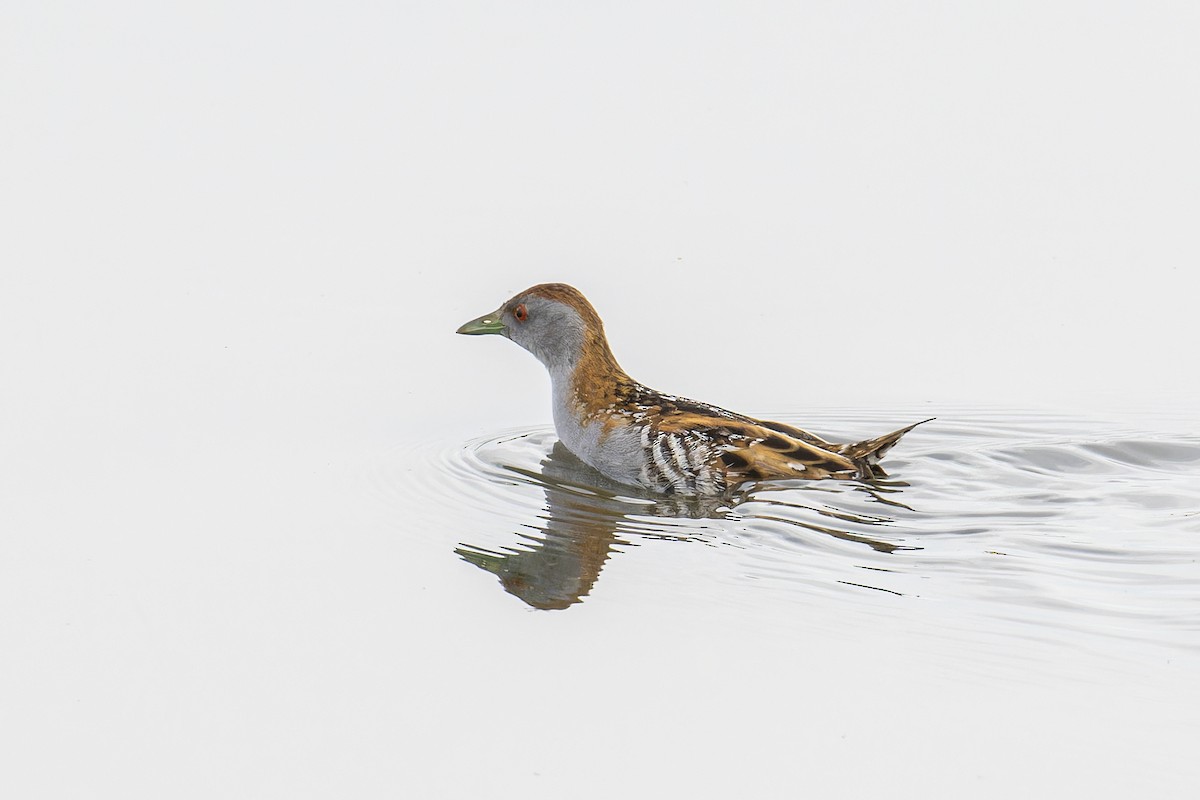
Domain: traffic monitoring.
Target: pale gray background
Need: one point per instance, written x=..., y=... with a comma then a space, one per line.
x=237, y=237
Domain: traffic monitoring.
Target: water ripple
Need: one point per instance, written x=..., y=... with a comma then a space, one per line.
x=1048, y=526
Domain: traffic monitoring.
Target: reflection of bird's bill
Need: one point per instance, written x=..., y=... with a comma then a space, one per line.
x=558, y=566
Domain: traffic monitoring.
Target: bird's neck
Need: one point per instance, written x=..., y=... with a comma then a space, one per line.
x=588, y=383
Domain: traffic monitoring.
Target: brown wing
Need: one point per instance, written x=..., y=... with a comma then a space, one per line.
x=869, y=451
x=795, y=433
x=749, y=451
x=752, y=449
x=777, y=456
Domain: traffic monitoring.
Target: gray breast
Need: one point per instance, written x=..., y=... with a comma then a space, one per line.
x=613, y=451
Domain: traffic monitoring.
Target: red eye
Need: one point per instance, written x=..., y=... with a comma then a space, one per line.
x=521, y=313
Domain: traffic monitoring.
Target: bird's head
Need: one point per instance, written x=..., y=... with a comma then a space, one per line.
x=553, y=321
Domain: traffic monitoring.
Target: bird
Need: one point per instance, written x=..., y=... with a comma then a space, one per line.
x=643, y=438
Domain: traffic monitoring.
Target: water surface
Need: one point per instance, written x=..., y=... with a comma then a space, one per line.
x=1038, y=531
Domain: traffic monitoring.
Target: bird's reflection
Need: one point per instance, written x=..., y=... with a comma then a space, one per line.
x=555, y=564
x=558, y=566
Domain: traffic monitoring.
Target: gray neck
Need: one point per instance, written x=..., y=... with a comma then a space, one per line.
x=562, y=391
x=560, y=354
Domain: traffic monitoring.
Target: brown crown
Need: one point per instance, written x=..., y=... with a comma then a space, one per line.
x=567, y=295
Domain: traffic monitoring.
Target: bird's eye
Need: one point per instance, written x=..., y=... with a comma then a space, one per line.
x=521, y=313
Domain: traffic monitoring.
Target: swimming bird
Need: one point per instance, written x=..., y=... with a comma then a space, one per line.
x=639, y=437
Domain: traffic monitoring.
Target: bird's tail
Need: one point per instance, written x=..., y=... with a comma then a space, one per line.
x=870, y=451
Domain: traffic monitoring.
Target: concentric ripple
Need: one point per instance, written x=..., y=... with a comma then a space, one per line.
x=1044, y=526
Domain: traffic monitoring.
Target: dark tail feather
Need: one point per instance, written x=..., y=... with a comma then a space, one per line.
x=872, y=450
